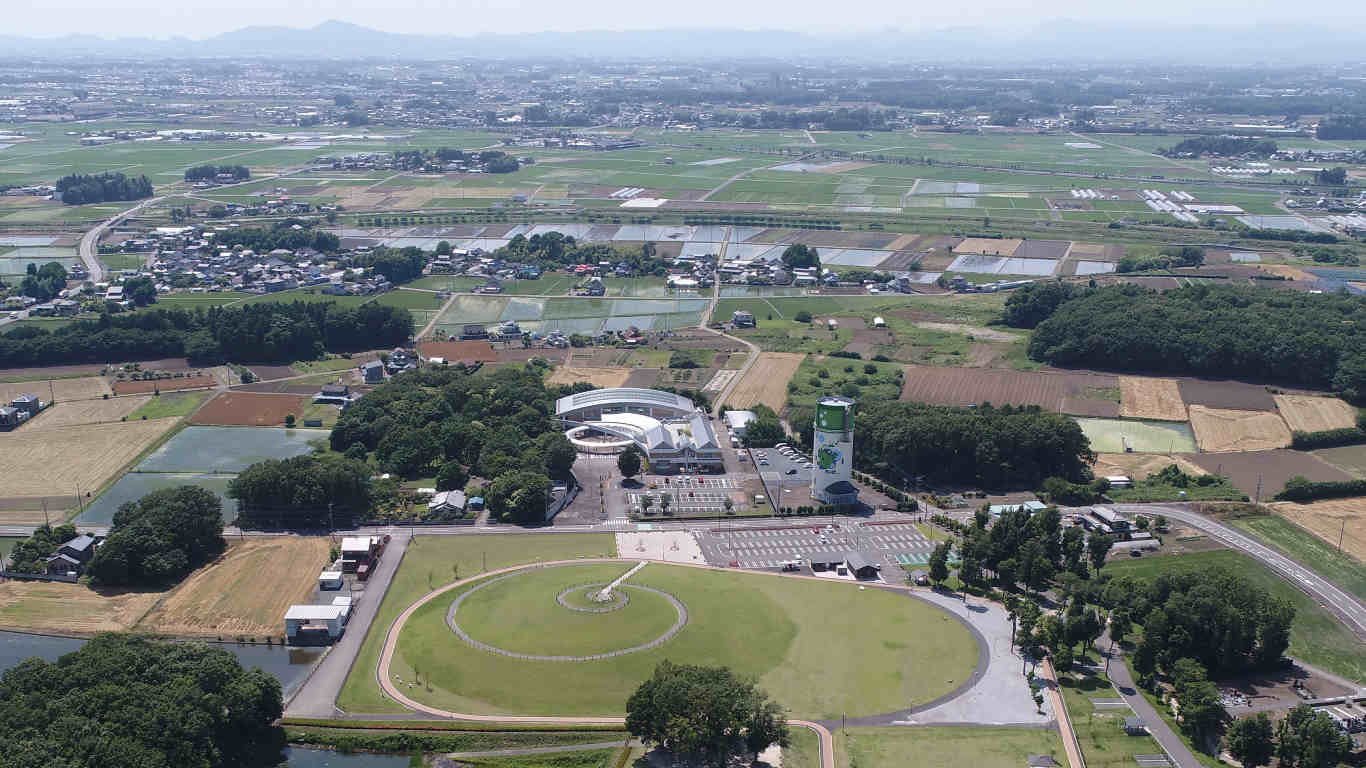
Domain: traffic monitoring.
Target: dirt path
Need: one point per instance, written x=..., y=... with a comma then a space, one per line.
x=427, y=329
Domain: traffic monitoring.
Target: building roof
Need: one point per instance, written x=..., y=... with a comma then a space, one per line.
x=314, y=612
x=738, y=419
x=447, y=499
x=64, y=558
x=353, y=543
x=80, y=543
x=860, y=560
x=372, y=365
x=622, y=396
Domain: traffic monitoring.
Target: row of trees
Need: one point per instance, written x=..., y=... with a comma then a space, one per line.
x=282, y=234
x=303, y=491
x=79, y=188
x=123, y=700
x=1311, y=340
x=1167, y=258
x=210, y=172
x=160, y=538
x=45, y=282
x=985, y=446
x=264, y=332
x=495, y=425
x=555, y=249
x=1306, y=738
x=1026, y=549
x=1342, y=127
x=1221, y=146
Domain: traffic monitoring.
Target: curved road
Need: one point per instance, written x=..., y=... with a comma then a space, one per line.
x=1341, y=603
x=91, y=239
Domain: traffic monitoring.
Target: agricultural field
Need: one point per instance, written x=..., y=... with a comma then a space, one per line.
x=766, y=382
x=227, y=449
x=245, y=591
x=1315, y=414
x=1331, y=522
x=899, y=747
x=154, y=386
x=1123, y=436
x=1142, y=397
x=76, y=412
x=1139, y=465
x=431, y=561
x=83, y=388
x=1268, y=471
x=39, y=606
x=815, y=379
x=251, y=409
x=1219, y=431
x=791, y=627
x=1063, y=392
x=598, y=377
x=58, y=461
x=1350, y=459
x=173, y=404
x=1316, y=636
x=572, y=315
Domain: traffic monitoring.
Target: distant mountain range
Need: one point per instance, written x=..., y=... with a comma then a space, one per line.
x=1058, y=41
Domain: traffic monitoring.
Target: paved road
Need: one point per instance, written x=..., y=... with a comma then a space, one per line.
x=541, y=750
x=318, y=695
x=1124, y=683
x=1342, y=604
x=91, y=239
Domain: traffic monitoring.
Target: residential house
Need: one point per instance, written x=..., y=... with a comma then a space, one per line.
x=373, y=371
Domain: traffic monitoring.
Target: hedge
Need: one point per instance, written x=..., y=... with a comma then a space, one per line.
x=1327, y=438
x=1300, y=489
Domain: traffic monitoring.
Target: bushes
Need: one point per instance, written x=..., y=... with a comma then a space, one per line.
x=1300, y=488
x=1328, y=438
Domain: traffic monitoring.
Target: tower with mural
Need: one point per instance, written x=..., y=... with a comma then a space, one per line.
x=833, y=451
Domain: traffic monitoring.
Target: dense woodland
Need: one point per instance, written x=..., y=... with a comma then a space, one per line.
x=1342, y=127
x=1309, y=340
x=398, y=265
x=985, y=446
x=122, y=700
x=556, y=250
x=264, y=332
x=302, y=492
x=1221, y=146
x=281, y=235
x=43, y=283
x=443, y=420
x=79, y=188
x=30, y=555
x=210, y=172
x=160, y=538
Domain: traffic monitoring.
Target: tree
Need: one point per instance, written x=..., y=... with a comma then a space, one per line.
x=628, y=462
x=646, y=502
x=802, y=316
x=1098, y=547
x=665, y=501
x=1308, y=738
x=559, y=453
x=519, y=497
x=728, y=503
x=1062, y=658
x=764, y=432
x=43, y=283
x=1120, y=624
x=1201, y=713
x=408, y=450
x=939, y=563
x=452, y=476
x=1332, y=176
x=125, y=700
x=704, y=713
x=160, y=538
x=289, y=420
x=1251, y=740
x=801, y=255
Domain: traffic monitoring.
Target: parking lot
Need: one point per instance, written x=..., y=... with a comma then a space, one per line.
x=896, y=544
x=787, y=479
x=689, y=495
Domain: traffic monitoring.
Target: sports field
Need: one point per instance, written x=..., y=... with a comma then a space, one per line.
x=781, y=631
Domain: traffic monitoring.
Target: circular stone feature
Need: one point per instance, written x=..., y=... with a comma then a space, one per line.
x=511, y=616
x=587, y=598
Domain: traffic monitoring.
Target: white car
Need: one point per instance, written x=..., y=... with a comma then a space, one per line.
x=14, y=315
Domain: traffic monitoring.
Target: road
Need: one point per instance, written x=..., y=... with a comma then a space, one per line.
x=1339, y=602
x=1157, y=727
x=751, y=358
x=318, y=695
x=90, y=241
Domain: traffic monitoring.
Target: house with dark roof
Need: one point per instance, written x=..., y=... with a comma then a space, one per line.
x=73, y=555
x=374, y=372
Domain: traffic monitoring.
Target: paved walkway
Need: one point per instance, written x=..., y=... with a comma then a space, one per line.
x=317, y=696
x=1053, y=694
x=541, y=750
x=1180, y=754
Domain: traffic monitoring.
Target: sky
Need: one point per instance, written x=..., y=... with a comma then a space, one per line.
x=204, y=18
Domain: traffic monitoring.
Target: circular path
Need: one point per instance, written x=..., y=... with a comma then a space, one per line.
x=658, y=641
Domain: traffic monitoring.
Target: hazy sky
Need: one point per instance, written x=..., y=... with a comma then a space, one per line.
x=204, y=18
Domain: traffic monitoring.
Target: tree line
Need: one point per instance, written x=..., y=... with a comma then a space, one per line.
x=1342, y=127
x=263, y=332
x=1221, y=146
x=555, y=249
x=987, y=446
x=447, y=422
x=211, y=172
x=80, y=188
x=1310, y=340
x=281, y=235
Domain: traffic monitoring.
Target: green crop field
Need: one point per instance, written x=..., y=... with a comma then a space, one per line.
x=899, y=747
x=432, y=561
x=169, y=404
x=408, y=299
x=777, y=630
x=1121, y=435
x=1316, y=636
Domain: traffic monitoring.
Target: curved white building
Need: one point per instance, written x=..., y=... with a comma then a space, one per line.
x=667, y=428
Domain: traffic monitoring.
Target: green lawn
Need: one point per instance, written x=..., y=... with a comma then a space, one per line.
x=935, y=747
x=325, y=365
x=193, y=300
x=446, y=283
x=1306, y=548
x=432, y=561
x=169, y=404
x=1316, y=637
x=410, y=299
x=1104, y=744
x=780, y=631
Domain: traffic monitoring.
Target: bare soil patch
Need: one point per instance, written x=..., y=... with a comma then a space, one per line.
x=1330, y=519
x=1042, y=249
x=1053, y=391
x=57, y=461
x=1305, y=413
x=163, y=385
x=74, y=412
x=643, y=377
x=1220, y=430
x=1142, y=397
x=1140, y=465
x=521, y=355
x=975, y=331
x=766, y=382
x=250, y=409
x=1088, y=251
x=85, y=388
x=1272, y=468
x=271, y=372
x=244, y=592
x=989, y=246
x=455, y=351
x=10, y=374
x=1290, y=271
x=598, y=377
x=39, y=606
x=1236, y=395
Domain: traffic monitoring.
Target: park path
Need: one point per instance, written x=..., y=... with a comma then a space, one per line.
x=1123, y=682
x=519, y=751
x=1069, y=736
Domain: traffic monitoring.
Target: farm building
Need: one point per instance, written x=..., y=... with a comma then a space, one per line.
x=862, y=565
x=742, y=319
x=315, y=624
x=359, y=550
x=1031, y=507
x=337, y=394
x=330, y=580
x=373, y=371
x=1109, y=517
x=29, y=404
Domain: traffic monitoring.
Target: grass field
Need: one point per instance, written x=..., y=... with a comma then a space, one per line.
x=117, y=261
x=1316, y=636
x=244, y=592
x=326, y=365
x=1280, y=530
x=896, y=747
x=58, y=461
x=1115, y=435
x=842, y=376
x=169, y=405
x=907, y=652
x=1104, y=744
x=431, y=561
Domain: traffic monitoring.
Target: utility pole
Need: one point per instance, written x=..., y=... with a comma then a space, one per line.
x=1340, y=534
x=1258, y=499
